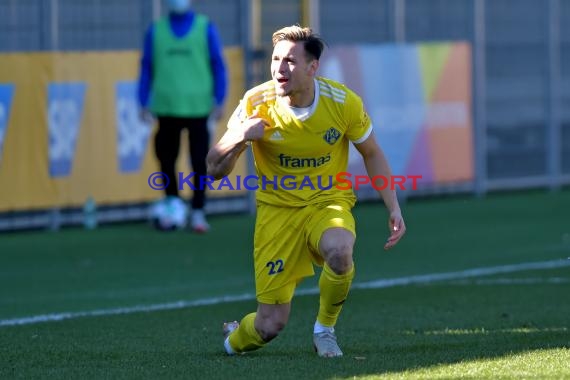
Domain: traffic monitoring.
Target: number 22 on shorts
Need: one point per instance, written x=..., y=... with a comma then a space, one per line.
x=275, y=266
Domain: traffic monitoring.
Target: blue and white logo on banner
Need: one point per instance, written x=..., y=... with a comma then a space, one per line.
x=6, y=93
x=132, y=132
x=65, y=110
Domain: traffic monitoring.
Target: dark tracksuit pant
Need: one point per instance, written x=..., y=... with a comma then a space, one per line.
x=167, y=147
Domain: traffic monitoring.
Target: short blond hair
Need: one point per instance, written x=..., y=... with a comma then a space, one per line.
x=314, y=44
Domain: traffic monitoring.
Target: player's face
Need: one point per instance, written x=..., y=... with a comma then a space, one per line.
x=291, y=70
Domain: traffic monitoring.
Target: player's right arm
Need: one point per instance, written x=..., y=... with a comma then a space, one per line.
x=242, y=129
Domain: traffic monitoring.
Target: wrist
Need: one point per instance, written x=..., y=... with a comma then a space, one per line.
x=241, y=146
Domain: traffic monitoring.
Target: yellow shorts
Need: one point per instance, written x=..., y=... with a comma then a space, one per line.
x=286, y=245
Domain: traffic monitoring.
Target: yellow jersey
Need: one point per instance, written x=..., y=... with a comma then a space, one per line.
x=303, y=150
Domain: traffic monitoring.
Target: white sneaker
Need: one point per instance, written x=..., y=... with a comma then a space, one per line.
x=199, y=223
x=227, y=329
x=325, y=345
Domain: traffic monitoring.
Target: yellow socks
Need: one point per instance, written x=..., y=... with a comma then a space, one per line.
x=334, y=290
x=245, y=337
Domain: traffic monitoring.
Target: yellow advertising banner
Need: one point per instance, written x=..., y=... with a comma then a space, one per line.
x=69, y=129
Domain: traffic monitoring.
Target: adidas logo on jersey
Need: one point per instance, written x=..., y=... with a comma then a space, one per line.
x=276, y=136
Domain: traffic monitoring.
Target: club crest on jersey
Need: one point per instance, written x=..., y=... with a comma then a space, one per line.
x=331, y=135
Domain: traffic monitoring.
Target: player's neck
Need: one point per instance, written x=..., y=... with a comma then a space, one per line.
x=302, y=99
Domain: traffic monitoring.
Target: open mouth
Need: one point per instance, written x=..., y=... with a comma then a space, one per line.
x=282, y=80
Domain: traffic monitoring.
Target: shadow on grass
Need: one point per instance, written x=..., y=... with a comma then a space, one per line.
x=388, y=353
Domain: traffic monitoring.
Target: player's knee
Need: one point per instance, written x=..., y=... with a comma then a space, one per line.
x=270, y=320
x=336, y=248
x=339, y=258
x=270, y=329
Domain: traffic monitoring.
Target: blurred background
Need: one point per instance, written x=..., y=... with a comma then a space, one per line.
x=474, y=95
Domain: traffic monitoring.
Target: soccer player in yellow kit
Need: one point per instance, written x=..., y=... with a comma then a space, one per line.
x=299, y=126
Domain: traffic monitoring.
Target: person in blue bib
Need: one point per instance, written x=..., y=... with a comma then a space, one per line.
x=182, y=83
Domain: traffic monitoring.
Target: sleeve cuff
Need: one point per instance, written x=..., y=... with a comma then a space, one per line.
x=365, y=136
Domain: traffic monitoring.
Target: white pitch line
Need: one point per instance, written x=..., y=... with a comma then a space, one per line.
x=513, y=281
x=468, y=273
x=376, y=284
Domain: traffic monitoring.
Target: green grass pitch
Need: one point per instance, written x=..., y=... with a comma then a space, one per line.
x=507, y=324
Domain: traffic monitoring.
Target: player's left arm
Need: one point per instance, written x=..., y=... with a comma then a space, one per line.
x=377, y=165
